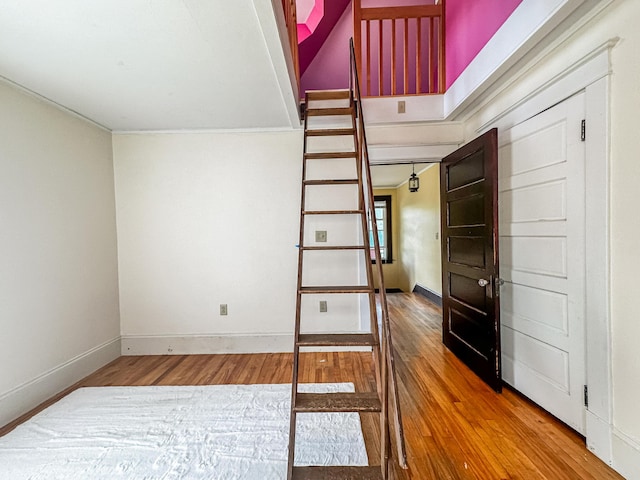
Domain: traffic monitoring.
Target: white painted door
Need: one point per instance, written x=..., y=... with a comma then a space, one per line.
x=542, y=259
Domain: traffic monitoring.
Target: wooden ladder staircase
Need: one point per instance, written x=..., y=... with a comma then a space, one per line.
x=332, y=117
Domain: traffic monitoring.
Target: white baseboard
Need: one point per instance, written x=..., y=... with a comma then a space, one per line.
x=217, y=344
x=205, y=344
x=626, y=455
x=23, y=398
x=598, y=436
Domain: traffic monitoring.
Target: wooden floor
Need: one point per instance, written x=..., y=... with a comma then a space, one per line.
x=456, y=427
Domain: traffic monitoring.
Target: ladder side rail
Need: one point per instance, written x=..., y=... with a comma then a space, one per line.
x=367, y=205
x=388, y=352
x=387, y=345
x=387, y=380
x=296, y=335
x=362, y=205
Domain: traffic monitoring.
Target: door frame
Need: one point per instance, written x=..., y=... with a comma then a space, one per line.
x=590, y=74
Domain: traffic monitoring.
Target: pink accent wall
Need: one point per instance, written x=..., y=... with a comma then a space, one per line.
x=329, y=68
x=469, y=26
x=309, y=48
x=307, y=26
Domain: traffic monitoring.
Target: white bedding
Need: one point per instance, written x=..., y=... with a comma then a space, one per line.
x=207, y=432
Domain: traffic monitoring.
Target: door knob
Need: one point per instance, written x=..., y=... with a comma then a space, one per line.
x=483, y=283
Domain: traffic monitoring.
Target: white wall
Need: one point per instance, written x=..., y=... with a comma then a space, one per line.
x=206, y=219
x=615, y=21
x=58, y=280
x=419, y=213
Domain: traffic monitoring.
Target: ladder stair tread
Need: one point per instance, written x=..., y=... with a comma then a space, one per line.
x=337, y=181
x=336, y=339
x=337, y=289
x=335, y=247
x=325, y=155
x=331, y=212
x=330, y=132
x=337, y=402
x=337, y=473
x=328, y=94
x=322, y=112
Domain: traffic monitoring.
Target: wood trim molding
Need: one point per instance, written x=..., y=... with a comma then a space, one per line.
x=205, y=344
x=23, y=398
x=530, y=22
x=576, y=77
x=429, y=294
x=276, y=37
x=590, y=74
x=389, y=13
x=626, y=455
x=134, y=345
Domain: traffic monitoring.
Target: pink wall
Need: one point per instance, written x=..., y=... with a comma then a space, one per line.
x=307, y=25
x=329, y=68
x=309, y=48
x=469, y=26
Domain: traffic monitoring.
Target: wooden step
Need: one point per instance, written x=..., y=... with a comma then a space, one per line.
x=322, y=112
x=337, y=473
x=335, y=247
x=336, y=340
x=337, y=402
x=337, y=289
x=330, y=132
x=328, y=95
x=332, y=212
x=340, y=181
x=325, y=155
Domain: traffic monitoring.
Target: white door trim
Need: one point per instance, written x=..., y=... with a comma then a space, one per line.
x=591, y=75
x=599, y=419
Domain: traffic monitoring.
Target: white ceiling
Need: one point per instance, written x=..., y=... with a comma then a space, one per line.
x=152, y=64
x=393, y=176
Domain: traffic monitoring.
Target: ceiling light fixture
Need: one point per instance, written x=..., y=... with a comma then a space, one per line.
x=414, y=181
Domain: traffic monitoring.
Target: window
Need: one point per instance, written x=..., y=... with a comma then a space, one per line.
x=382, y=208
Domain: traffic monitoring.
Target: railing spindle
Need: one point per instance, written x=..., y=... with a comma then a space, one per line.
x=357, y=32
x=394, y=90
x=380, y=59
x=441, y=56
x=368, y=57
x=419, y=56
x=406, y=56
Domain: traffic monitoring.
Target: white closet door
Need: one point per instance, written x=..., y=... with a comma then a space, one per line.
x=542, y=259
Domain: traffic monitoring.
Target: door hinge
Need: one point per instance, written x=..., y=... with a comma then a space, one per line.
x=586, y=396
x=583, y=130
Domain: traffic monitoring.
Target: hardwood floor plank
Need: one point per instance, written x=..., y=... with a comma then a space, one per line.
x=456, y=427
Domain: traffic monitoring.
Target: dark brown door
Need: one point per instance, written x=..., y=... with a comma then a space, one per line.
x=470, y=306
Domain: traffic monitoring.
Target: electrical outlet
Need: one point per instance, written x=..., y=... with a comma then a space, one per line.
x=223, y=309
x=323, y=306
x=321, y=235
x=437, y=235
x=402, y=106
